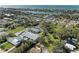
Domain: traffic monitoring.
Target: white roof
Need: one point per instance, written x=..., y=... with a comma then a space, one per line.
x=7, y=14
x=71, y=47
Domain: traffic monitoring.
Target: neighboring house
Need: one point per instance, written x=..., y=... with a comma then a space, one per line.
x=38, y=20
x=7, y=19
x=34, y=30
x=15, y=41
x=70, y=46
x=8, y=15
x=49, y=18
x=3, y=22
x=3, y=33
x=2, y=29
x=72, y=41
x=12, y=26
x=29, y=35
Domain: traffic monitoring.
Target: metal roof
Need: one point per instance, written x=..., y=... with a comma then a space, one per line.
x=30, y=35
x=15, y=41
x=35, y=29
x=2, y=29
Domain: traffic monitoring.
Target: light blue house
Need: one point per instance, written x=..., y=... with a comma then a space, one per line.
x=14, y=40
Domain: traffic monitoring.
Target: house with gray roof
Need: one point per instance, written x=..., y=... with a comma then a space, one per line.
x=2, y=29
x=70, y=44
x=72, y=41
x=14, y=40
x=34, y=30
x=1, y=33
x=29, y=35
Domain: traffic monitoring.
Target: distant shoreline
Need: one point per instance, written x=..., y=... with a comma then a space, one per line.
x=66, y=7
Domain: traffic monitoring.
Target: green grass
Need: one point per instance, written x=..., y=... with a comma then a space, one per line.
x=41, y=33
x=17, y=29
x=51, y=48
x=6, y=46
x=53, y=37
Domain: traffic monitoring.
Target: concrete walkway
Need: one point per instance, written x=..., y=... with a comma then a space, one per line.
x=10, y=49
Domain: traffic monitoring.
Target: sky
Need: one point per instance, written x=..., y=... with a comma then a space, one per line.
x=39, y=2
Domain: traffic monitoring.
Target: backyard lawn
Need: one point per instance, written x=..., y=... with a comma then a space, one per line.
x=18, y=29
x=6, y=46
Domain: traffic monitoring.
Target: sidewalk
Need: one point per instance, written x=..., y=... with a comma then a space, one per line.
x=10, y=49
